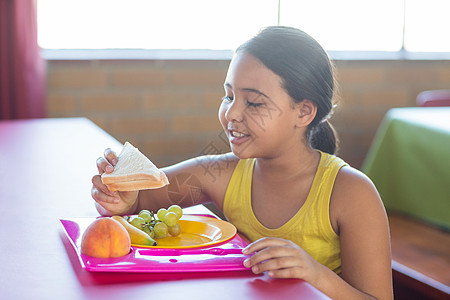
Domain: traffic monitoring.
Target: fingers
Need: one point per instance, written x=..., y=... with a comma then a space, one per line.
x=263, y=243
x=101, y=193
x=110, y=156
x=294, y=272
x=280, y=258
x=106, y=164
x=275, y=264
x=271, y=257
x=264, y=249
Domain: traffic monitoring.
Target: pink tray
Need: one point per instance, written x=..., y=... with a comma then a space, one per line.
x=222, y=257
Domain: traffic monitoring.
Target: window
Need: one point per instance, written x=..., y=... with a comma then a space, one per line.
x=427, y=26
x=351, y=25
x=345, y=25
x=150, y=24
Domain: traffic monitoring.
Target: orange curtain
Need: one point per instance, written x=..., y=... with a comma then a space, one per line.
x=22, y=70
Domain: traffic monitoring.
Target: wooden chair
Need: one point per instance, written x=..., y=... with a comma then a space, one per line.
x=433, y=98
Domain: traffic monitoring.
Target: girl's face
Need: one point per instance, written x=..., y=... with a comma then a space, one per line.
x=257, y=113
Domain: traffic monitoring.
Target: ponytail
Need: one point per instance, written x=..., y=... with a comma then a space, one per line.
x=323, y=137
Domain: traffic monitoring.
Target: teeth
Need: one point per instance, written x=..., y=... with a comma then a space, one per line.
x=237, y=134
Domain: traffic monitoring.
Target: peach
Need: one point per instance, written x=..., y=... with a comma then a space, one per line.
x=105, y=237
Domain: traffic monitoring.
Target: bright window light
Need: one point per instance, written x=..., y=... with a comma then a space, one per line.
x=427, y=26
x=344, y=25
x=149, y=24
x=351, y=25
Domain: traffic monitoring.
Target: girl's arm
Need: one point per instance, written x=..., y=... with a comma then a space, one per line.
x=364, y=234
x=357, y=214
x=195, y=181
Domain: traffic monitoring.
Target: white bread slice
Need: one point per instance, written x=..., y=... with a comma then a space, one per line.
x=134, y=171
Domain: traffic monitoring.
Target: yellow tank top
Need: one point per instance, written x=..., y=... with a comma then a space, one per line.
x=310, y=228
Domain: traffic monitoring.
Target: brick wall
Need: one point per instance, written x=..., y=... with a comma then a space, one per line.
x=169, y=108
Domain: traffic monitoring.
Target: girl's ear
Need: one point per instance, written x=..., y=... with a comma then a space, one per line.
x=306, y=112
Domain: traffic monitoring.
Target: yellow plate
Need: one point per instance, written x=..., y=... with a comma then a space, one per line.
x=197, y=231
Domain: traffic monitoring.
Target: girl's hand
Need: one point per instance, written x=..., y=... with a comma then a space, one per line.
x=281, y=259
x=113, y=203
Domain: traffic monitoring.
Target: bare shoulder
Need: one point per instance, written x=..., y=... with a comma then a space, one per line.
x=354, y=198
x=352, y=180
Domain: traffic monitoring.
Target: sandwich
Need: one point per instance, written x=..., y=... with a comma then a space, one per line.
x=134, y=171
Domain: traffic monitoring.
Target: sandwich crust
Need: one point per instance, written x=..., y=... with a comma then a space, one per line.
x=134, y=171
x=136, y=184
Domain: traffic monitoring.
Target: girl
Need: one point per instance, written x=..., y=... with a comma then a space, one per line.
x=307, y=213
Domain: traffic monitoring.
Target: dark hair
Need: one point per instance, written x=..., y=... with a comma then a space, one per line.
x=306, y=71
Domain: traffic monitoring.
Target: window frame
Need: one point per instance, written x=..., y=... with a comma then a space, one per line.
x=209, y=54
x=198, y=54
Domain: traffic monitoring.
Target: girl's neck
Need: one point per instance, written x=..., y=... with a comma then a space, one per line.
x=298, y=162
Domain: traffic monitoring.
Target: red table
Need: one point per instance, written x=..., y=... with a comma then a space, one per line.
x=46, y=167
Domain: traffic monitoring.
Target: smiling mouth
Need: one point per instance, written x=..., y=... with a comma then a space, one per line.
x=237, y=134
x=237, y=138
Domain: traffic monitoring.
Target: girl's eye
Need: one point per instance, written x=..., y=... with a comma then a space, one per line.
x=249, y=103
x=253, y=104
x=227, y=98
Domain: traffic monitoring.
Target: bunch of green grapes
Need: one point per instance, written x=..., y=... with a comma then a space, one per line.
x=161, y=224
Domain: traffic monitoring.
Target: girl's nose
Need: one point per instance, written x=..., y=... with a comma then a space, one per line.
x=234, y=112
